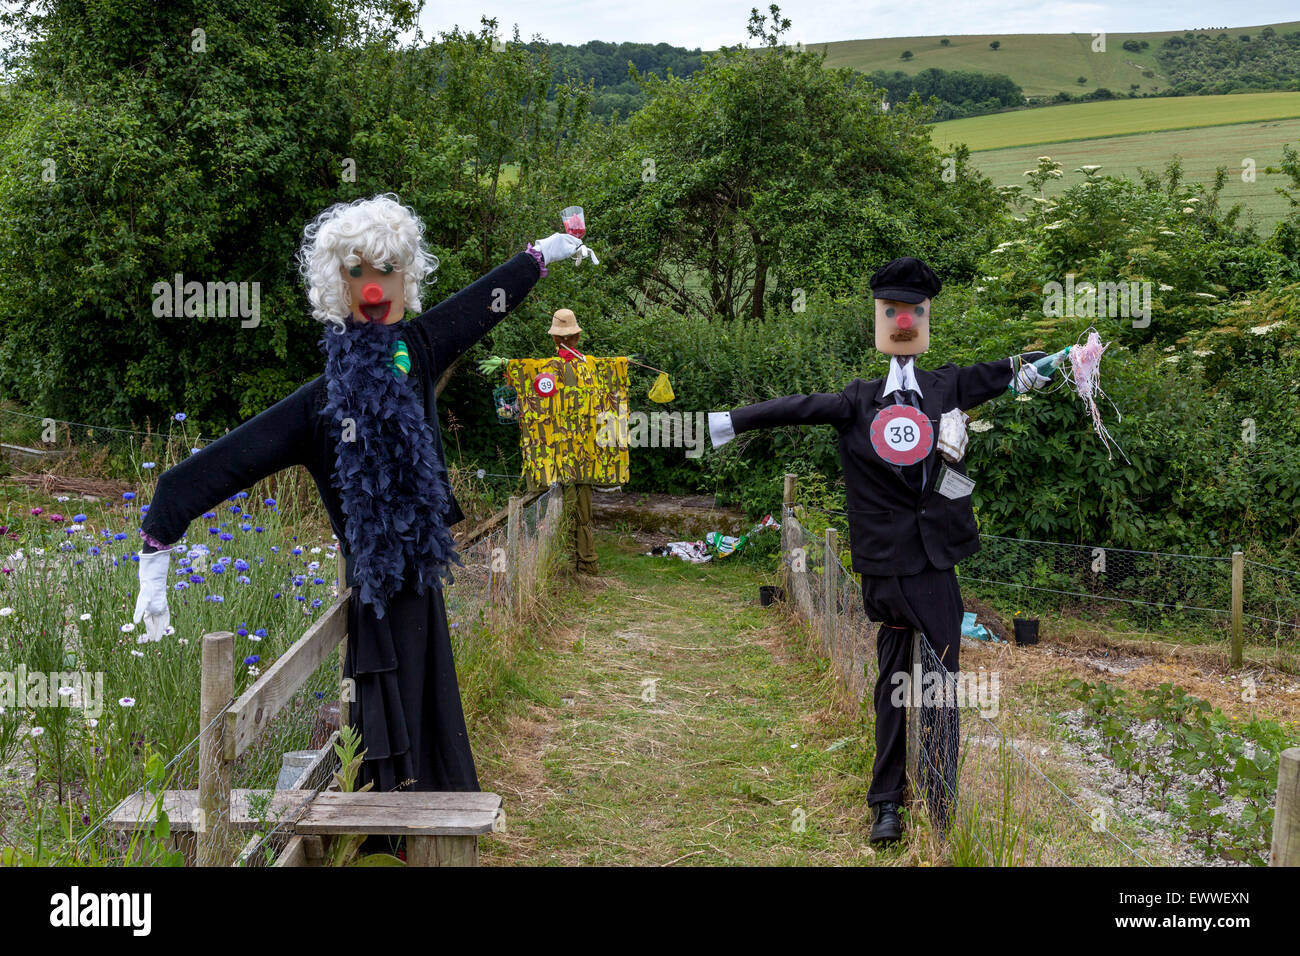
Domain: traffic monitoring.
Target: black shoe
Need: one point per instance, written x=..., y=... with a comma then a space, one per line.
x=888, y=827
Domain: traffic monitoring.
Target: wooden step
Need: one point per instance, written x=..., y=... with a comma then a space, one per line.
x=412, y=813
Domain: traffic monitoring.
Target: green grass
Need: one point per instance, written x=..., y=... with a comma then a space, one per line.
x=1074, y=121
x=1201, y=150
x=738, y=745
x=1042, y=63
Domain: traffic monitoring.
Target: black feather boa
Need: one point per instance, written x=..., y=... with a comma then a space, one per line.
x=393, y=502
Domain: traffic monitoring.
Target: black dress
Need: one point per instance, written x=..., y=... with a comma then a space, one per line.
x=407, y=701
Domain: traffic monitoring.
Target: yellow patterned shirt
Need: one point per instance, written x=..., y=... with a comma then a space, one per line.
x=578, y=433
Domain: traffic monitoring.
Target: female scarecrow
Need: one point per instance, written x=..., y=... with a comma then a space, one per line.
x=367, y=431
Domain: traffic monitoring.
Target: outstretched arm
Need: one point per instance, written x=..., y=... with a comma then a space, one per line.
x=261, y=446
x=457, y=322
x=978, y=383
x=819, y=408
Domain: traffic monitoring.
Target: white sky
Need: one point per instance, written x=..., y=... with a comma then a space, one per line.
x=708, y=24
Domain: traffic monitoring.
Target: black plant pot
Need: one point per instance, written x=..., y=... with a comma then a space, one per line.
x=770, y=593
x=1026, y=631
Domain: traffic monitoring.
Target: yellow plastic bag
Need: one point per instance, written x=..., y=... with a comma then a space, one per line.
x=662, y=390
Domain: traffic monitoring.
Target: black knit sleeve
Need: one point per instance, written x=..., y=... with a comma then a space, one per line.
x=456, y=323
x=269, y=442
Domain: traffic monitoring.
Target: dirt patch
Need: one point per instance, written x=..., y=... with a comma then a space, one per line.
x=654, y=519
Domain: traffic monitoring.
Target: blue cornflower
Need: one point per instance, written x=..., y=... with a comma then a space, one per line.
x=92, y=550
x=252, y=659
x=149, y=464
x=241, y=565
x=245, y=527
x=317, y=580
x=179, y=416
x=196, y=578
x=214, y=598
x=78, y=519
x=181, y=585
x=259, y=529
x=226, y=536
x=120, y=536
x=316, y=603
x=260, y=632
x=218, y=569
x=269, y=502
x=128, y=495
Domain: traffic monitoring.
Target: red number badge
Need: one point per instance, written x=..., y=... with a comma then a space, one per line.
x=902, y=435
x=545, y=385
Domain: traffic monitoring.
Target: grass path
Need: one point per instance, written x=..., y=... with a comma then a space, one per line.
x=666, y=718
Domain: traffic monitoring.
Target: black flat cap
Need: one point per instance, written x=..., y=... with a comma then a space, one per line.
x=905, y=280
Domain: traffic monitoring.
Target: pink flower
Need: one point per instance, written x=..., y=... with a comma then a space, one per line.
x=55, y=517
x=37, y=511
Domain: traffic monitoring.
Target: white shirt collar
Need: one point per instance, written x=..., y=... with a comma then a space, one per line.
x=902, y=375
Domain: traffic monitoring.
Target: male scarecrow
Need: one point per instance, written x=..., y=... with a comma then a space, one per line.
x=910, y=517
x=367, y=431
x=573, y=421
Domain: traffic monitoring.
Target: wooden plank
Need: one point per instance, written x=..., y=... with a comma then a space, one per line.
x=250, y=714
x=411, y=813
x=183, y=814
x=301, y=850
x=442, y=851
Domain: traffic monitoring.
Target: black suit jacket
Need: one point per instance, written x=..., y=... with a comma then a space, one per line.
x=893, y=529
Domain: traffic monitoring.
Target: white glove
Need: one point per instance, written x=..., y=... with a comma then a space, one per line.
x=151, y=604
x=952, y=435
x=561, y=245
x=1028, y=377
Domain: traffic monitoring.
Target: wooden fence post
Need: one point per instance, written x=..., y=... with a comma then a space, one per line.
x=1286, y=813
x=830, y=593
x=1238, y=582
x=512, y=555
x=787, y=537
x=217, y=688
x=345, y=689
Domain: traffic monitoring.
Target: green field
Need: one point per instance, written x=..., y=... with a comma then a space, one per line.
x=1042, y=63
x=1074, y=121
x=1202, y=150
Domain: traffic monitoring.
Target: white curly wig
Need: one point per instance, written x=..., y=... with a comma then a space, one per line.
x=379, y=230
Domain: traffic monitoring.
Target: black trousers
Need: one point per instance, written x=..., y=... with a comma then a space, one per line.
x=929, y=602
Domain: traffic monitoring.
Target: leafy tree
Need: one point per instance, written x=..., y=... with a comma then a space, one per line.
x=768, y=173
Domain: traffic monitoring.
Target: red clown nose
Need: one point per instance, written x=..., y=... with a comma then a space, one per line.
x=904, y=321
x=372, y=293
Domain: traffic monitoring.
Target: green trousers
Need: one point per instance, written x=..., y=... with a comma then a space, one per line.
x=578, y=498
